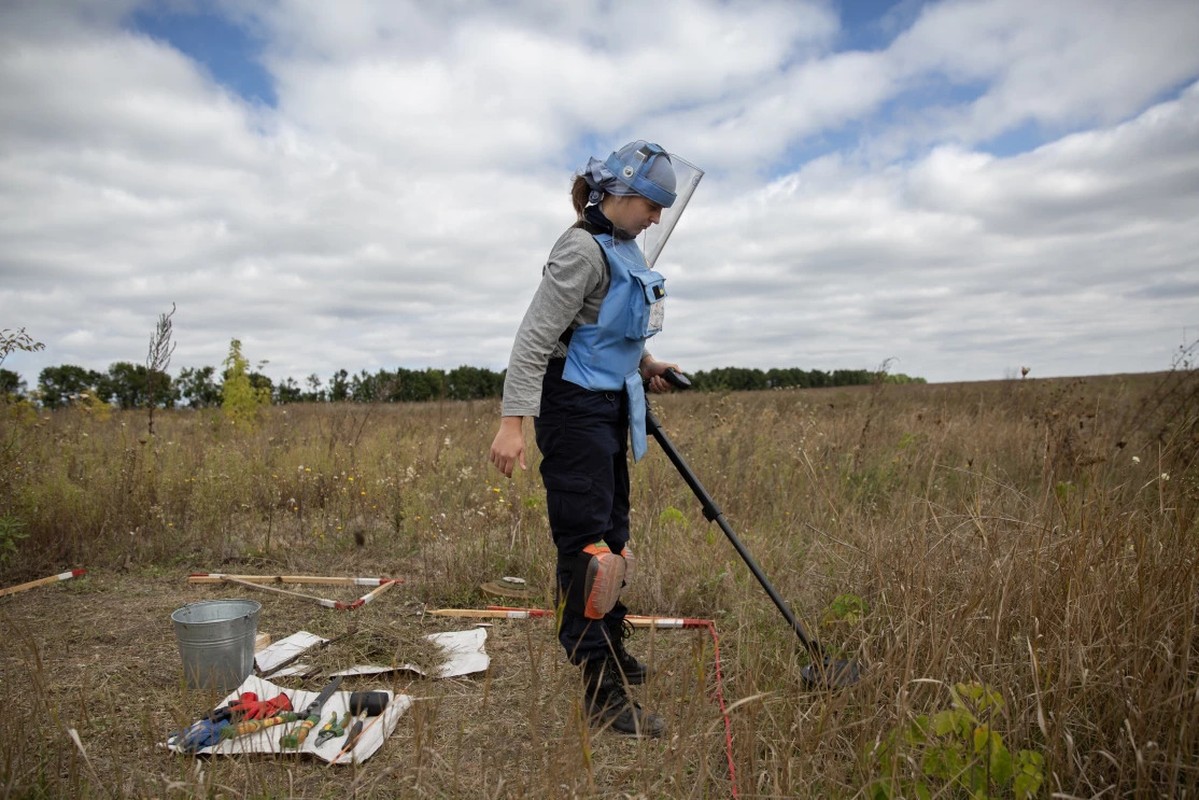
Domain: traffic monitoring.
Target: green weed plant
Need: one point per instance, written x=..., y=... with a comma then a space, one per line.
x=956, y=753
x=12, y=531
x=241, y=400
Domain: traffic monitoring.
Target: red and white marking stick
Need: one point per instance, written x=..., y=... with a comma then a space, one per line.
x=332, y=580
x=492, y=613
x=512, y=612
x=371, y=595
x=638, y=621
x=62, y=576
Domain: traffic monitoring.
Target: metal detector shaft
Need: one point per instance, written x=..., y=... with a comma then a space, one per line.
x=713, y=513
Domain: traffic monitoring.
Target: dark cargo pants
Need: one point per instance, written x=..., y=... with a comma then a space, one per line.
x=582, y=436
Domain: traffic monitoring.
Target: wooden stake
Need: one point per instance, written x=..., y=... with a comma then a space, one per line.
x=62, y=576
x=319, y=600
x=331, y=580
x=335, y=604
x=507, y=612
x=491, y=613
x=371, y=595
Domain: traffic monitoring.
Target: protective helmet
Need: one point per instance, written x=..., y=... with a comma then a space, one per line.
x=642, y=168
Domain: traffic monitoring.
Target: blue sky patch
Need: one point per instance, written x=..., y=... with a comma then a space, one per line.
x=1023, y=138
x=873, y=24
x=228, y=51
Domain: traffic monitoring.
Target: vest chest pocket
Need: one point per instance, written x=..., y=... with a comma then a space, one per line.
x=647, y=304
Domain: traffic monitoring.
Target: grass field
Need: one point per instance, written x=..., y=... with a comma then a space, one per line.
x=1014, y=562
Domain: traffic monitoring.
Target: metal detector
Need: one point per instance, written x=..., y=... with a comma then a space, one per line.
x=825, y=672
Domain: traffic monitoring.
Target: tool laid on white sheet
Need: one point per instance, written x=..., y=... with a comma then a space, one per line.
x=310, y=717
x=363, y=705
x=332, y=729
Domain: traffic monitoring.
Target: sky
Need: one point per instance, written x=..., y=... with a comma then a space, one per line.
x=955, y=190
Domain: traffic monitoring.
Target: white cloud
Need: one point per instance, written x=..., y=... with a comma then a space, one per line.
x=1058, y=65
x=394, y=209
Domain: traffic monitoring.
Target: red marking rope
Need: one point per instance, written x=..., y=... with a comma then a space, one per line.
x=728, y=725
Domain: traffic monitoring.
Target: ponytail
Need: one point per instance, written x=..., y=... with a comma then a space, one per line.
x=579, y=190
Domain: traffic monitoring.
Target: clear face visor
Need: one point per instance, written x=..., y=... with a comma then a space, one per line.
x=687, y=177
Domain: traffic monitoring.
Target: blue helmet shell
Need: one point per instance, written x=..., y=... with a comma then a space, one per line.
x=644, y=167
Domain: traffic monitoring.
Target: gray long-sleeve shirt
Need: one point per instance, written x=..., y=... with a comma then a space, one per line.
x=574, y=283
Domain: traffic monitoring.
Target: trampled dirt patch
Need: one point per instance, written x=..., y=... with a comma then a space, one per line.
x=98, y=655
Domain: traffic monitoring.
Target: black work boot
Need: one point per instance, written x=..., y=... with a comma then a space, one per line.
x=608, y=704
x=633, y=670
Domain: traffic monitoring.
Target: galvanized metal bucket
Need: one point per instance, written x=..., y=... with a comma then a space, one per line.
x=216, y=642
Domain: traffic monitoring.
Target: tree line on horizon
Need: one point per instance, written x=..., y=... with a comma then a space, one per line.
x=130, y=386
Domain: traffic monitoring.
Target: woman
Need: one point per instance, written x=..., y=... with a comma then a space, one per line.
x=578, y=366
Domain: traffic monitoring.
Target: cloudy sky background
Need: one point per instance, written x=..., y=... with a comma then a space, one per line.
x=962, y=188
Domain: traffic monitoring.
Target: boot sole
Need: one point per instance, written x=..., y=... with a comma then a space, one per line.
x=606, y=725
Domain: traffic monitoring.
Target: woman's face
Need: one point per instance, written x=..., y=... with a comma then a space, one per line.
x=632, y=213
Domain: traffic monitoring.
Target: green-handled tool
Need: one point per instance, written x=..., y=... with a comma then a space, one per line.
x=311, y=717
x=332, y=729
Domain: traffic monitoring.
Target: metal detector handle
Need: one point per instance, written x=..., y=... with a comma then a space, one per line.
x=713, y=513
x=677, y=379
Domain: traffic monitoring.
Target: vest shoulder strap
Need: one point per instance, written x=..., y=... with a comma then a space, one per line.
x=594, y=230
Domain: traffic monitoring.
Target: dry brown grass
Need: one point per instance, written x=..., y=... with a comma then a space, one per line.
x=1019, y=535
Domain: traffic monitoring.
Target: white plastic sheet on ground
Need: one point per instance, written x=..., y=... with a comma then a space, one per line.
x=375, y=729
x=464, y=655
x=464, y=652
x=278, y=652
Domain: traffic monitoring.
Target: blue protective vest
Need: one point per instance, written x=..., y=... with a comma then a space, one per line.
x=605, y=356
